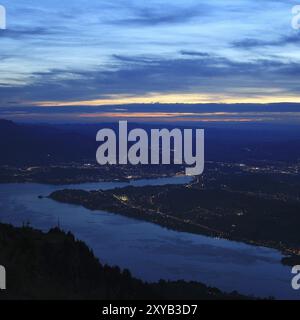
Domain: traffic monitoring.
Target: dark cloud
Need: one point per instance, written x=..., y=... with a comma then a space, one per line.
x=256, y=43
x=140, y=59
x=25, y=32
x=194, y=53
x=74, y=43
x=143, y=75
x=156, y=16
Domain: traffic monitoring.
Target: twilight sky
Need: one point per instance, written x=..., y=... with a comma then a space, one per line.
x=100, y=52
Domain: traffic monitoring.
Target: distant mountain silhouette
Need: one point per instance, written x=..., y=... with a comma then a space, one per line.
x=38, y=144
x=41, y=144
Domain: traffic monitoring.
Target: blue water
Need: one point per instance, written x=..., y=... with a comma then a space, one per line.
x=150, y=251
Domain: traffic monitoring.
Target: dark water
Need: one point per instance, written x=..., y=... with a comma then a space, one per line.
x=150, y=251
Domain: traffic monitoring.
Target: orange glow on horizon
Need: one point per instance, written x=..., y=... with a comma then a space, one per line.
x=183, y=98
x=135, y=114
x=171, y=117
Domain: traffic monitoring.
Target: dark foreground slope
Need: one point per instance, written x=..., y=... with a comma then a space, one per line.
x=57, y=266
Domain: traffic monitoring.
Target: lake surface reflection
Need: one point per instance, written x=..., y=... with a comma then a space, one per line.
x=149, y=251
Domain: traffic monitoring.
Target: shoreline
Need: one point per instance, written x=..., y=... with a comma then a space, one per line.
x=170, y=222
x=156, y=228
x=173, y=223
x=67, y=182
x=91, y=279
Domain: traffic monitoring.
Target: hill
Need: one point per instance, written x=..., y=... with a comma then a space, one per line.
x=57, y=266
x=41, y=144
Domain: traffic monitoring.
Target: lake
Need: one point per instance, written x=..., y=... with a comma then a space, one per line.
x=149, y=251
